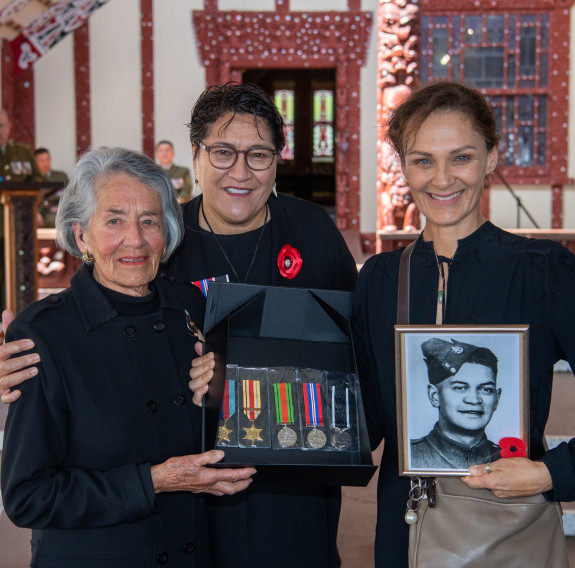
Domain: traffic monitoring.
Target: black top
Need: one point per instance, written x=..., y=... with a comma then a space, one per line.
x=240, y=250
x=495, y=278
x=327, y=262
x=111, y=399
x=275, y=525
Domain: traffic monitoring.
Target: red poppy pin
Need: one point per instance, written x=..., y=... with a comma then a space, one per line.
x=513, y=448
x=289, y=262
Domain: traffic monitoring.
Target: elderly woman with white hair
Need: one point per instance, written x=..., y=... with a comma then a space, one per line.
x=101, y=457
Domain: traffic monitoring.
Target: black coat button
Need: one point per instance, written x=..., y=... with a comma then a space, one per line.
x=162, y=558
x=189, y=548
x=129, y=331
x=159, y=325
x=151, y=406
x=53, y=300
x=179, y=399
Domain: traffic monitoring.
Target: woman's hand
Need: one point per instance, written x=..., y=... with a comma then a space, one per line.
x=510, y=478
x=201, y=374
x=13, y=371
x=188, y=473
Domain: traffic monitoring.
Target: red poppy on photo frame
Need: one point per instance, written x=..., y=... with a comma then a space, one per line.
x=513, y=448
x=289, y=262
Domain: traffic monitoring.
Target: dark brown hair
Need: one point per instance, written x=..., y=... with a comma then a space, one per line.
x=444, y=96
x=235, y=98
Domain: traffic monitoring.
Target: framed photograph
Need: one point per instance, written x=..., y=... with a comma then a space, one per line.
x=462, y=393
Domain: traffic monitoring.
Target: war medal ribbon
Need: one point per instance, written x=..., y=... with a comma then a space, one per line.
x=284, y=414
x=314, y=414
x=227, y=410
x=252, y=408
x=340, y=439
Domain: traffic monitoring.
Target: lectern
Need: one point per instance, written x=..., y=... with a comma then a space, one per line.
x=21, y=200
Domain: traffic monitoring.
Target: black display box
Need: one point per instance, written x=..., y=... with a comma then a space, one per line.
x=264, y=326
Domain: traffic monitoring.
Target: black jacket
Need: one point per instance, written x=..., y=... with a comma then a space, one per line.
x=111, y=400
x=277, y=525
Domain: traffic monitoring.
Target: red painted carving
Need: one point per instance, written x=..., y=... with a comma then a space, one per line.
x=7, y=77
x=557, y=207
x=396, y=76
x=147, y=54
x=18, y=97
x=82, y=86
x=231, y=41
x=23, y=121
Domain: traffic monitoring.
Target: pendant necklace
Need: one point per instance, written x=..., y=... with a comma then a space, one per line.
x=442, y=286
x=224, y=252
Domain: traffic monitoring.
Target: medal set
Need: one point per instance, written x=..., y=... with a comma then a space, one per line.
x=288, y=408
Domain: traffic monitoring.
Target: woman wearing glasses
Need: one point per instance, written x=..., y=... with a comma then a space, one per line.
x=238, y=227
x=239, y=224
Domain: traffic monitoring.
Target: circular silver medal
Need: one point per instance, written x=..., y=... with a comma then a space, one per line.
x=316, y=439
x=340, y=440
x=287, y=437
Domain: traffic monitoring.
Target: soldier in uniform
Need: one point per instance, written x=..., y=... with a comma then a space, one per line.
x=50, y=201
x=462, y=386
x=17, y=163
x=180, y=176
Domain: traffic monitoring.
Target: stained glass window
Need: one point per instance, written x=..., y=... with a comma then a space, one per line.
x=497, y=53
x=284, y=101
x=323, y=125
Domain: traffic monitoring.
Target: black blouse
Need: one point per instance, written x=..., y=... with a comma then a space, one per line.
x=246, y=255
x=495, y=278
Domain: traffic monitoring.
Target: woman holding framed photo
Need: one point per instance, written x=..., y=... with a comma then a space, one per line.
x=464, y=270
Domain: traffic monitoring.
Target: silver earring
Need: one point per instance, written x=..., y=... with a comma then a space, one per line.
x=274, y=190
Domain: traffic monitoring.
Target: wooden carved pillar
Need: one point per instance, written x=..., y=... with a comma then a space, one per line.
x=396, y=77
x=20, y=202
x=147, y=56
x=347, y=146
x=82, y=88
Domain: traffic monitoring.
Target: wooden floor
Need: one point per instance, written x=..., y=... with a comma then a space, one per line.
x=357, y=524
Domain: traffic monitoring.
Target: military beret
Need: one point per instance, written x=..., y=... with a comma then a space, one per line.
x=445, y=358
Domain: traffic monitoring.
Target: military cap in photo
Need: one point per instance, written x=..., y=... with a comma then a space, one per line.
x=445, y=358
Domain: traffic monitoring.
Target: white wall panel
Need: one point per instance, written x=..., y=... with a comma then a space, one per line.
x=318, y=5
x=251, y=5
x=115, y=75
x=179, y=78
x=54, y=97
x=569, y=207
x=368, y=119
x=503, y=207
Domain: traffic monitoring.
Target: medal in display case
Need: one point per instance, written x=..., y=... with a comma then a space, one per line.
x=285, y=396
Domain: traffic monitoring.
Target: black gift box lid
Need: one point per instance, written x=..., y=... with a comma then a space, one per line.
x=265, y=326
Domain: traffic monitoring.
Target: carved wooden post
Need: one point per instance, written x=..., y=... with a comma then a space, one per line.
x=396, y=68
x=21, y=200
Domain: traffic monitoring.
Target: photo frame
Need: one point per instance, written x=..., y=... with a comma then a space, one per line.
x=460, y=390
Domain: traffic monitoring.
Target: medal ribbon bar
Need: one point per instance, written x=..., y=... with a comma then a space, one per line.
x=338, y=396
x=312, y=403
x=252, y=398
x=284, y=403
x=229, y=403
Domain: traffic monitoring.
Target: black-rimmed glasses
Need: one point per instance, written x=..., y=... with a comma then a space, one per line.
x=224, y=157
